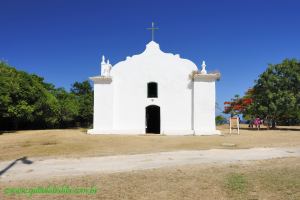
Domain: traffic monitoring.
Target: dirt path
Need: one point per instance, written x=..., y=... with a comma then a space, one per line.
x=43, y=168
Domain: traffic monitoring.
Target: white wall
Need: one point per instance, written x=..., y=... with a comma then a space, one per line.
x=120, y=106
x=103, y=106
x=204, y=106
x=130, y=80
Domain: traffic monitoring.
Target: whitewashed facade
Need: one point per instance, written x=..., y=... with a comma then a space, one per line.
x=154, y=92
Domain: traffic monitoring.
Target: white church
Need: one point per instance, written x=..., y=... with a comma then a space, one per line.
x=154, y=92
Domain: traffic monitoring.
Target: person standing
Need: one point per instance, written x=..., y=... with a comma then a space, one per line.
x=257, y=122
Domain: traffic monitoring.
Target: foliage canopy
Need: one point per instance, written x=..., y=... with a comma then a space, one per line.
x=275, y=95
x=27, y=102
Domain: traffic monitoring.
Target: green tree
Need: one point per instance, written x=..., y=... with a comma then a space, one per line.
x=276, y=94
x=220, y=119
x=84, y=94
x=26, y=101
x=23, y=97
x=68, y=107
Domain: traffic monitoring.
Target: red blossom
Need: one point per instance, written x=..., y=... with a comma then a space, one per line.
x=247, y=101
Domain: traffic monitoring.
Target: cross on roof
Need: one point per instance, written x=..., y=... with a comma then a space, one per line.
x=152, y=30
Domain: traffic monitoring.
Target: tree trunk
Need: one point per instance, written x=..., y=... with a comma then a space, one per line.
x=16, y=124
x=273, y=124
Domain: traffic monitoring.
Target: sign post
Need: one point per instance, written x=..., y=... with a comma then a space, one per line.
x=234, y=123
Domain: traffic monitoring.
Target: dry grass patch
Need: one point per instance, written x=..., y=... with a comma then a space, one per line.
x=76, y=143
x=270, y=179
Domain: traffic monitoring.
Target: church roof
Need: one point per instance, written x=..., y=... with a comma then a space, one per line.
x=153, y=49
x=153, y=58
x=152, y=46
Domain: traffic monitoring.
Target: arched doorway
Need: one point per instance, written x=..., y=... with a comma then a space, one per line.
x=153, y=119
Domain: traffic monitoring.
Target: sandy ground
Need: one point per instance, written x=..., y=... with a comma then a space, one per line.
x=75, y=143
x=39, y=168
x=253, y=165
x=274, y=179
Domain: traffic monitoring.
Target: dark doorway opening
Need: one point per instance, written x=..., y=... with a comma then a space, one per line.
x=153, y=119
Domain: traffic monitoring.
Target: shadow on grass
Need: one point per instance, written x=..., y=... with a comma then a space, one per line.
x=2, y=132
x=24, y=160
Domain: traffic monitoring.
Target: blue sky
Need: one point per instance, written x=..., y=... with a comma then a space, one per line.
x=63, y=40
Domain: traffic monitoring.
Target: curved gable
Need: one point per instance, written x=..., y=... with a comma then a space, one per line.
x=153, y=60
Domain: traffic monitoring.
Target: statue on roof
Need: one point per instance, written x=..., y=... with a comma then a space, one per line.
x=105, y=67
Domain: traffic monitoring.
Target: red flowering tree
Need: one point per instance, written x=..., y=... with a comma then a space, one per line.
x=275, y=96
x=238, y=105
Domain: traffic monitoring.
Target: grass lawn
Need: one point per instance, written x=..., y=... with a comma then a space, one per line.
x=268, y=179
x=274, y=179
x=76, y=143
